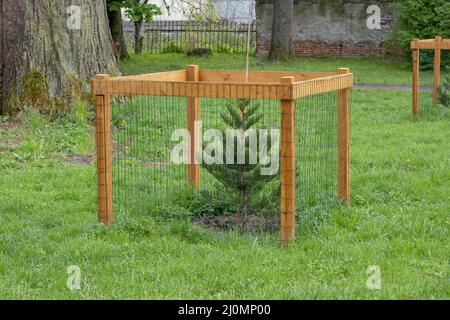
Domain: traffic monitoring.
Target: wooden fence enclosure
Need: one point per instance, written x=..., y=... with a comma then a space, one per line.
x=194, y=84
x=438, y=44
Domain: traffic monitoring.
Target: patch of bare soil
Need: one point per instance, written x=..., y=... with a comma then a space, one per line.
x=254, y=223
x=14, y=129
x=80, y=159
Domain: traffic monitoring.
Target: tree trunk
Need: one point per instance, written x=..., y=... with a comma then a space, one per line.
x=43, y=36
x=281, y=46
x=116, y=26
x=137, y=37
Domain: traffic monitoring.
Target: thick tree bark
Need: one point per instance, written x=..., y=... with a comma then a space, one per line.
x=138, y=40
x=39, y=36
x=116, y=26
x=281, y=46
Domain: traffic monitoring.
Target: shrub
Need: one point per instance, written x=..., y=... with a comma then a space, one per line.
x=422, y=19
x=444, y=92
x=172, y=47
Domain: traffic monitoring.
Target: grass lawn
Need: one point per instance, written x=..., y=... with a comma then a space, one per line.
x=368, y=70
x=399, y=218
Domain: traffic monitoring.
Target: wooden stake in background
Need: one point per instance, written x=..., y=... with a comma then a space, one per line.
x=193, y=115
x=437, y=68
x=416, y=75
x=344, y=142
x=288, y=164
x=104, y=156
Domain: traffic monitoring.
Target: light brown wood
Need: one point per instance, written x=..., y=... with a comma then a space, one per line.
x=445, y=45
x=437, y=69
x=186, y=89
x=104, y=156
x=423, y=44
x=193, y=115
x=344, y=142
x=225, y=89
x=258, y=76
x=430, y=44
x=416, y=79
x=288, y=164
x=322, y=85
x=177, y=75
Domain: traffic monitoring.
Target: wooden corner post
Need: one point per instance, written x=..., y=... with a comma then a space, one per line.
x=193, y=115
x=288, y=164
x=343, y=124
x=416, y=77
x=104, y=156
x=437, y=68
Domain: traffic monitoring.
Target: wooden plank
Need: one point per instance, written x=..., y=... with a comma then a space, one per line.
x=437, y=69
x=445, y=45
x=187, y=89
x=322, y=85
x=288, y=164
x=177, y=75
x=193, y=115
x=423, y=44
x=258, y=76
x=344, y=142
x=416, y=80
x=104, y=156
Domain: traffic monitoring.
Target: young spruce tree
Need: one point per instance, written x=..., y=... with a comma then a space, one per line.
x=243, y=179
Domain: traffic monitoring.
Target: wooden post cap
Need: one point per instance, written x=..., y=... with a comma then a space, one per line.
x=287, y=80
x=343, y=70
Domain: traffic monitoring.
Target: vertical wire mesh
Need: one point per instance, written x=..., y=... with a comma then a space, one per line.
x=426, y=81
x=211, y=110
x=143, y=174
x=316, y=150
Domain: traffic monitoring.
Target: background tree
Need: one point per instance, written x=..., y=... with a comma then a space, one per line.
x=140, y=11
x=281, y=46
x=54, y=39
x=116, y=27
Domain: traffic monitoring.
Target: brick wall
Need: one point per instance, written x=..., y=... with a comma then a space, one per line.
x=330, y=27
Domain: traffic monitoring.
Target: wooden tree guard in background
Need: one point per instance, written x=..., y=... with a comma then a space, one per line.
x=104, y=155
x=288, y=163
x=193, y=115
x=343, y=123
x=193, y=84
x=416, y=77
x=437, y=44
x=437, y=69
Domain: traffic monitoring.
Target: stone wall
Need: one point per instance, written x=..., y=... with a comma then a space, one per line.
x=330, y=27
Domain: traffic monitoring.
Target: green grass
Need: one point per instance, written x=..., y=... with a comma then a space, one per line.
x=368, y=70
x=399, y=220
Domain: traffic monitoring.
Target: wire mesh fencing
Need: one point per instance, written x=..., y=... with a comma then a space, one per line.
x=139, y=120
x=431, y=65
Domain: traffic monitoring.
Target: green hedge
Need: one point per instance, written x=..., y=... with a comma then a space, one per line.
x=423, y=19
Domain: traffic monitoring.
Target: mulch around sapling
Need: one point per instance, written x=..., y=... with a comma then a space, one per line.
x=253, y=223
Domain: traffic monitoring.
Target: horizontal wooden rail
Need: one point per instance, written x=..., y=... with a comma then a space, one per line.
x=430, y=44
x=322, y=85
x=178, y=75
x=259, y=76
x=222, y=89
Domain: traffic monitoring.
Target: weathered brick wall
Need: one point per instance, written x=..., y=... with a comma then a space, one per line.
x=330, y=27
